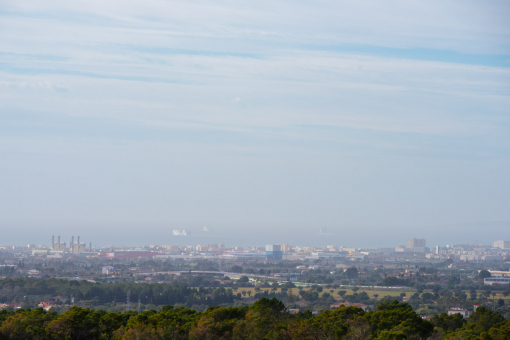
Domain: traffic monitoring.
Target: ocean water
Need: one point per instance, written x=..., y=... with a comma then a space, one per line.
x=351, y=236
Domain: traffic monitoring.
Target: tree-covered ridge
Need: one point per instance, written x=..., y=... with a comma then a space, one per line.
x=266, y=319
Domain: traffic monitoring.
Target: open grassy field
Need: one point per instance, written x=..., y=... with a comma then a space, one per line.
x=334, y=292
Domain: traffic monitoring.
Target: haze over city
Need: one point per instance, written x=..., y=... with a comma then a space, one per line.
x=190, y=169
x=122, y=121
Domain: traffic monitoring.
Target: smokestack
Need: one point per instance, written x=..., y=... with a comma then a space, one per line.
x=53, y=242
x=58, y=238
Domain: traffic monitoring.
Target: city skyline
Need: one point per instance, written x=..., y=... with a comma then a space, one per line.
x=189, y=241
x=414, y=249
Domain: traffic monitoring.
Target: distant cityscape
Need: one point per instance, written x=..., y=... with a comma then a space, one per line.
x=455, y=279
x=414, y=249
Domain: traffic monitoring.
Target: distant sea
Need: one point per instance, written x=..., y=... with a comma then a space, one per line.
x=352, y=236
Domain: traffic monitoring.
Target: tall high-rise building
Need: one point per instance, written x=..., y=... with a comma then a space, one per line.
x=274, y=252
x=286, y=248
x=416, y=243
x=502, y=244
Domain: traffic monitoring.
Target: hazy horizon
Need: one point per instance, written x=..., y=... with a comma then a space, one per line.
x=123, y=120
x=299, y=235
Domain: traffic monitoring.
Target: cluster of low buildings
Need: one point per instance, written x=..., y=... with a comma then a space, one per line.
x=414, y=249
x=498, y=277
x=498, y=251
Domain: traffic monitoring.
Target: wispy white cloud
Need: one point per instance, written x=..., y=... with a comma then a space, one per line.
x=339, y=101
x=453, y=25
x=312, y=88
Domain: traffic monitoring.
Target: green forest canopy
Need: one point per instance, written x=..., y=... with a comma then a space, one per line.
x=265, y=319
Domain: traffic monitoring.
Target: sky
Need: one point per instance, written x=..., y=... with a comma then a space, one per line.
x=379, y=121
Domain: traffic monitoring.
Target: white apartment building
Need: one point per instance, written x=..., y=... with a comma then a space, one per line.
x=502, y=244
x=416, y=243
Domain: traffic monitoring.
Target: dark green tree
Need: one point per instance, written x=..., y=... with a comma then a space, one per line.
x=484, y=274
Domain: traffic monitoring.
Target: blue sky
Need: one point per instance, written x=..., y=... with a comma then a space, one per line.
x=255, y=118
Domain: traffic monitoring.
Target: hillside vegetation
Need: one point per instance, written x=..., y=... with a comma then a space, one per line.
x=265, y=319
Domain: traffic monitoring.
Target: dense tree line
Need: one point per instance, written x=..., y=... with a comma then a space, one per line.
x=98, y=294
x=266, y=319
